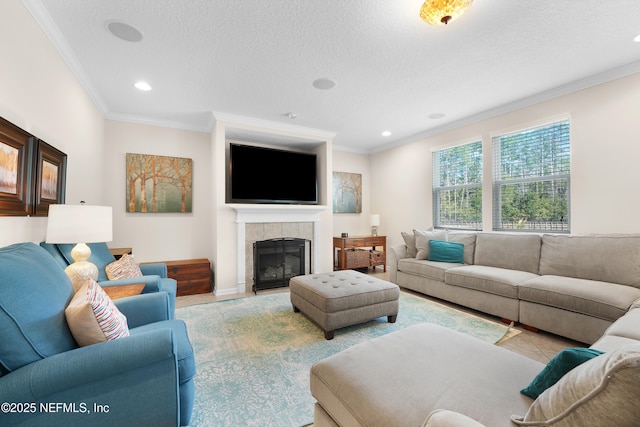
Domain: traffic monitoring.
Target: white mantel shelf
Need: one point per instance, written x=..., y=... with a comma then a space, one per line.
x=258, y=213
x=277, y=213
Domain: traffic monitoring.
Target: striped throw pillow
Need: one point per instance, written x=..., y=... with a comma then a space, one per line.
x=124, y=268
x=93, y=317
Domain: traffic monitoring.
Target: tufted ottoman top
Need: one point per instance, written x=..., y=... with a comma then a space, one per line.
x=343, y=290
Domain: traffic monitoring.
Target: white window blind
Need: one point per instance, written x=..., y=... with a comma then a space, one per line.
x=457, y=187
x=531, y=177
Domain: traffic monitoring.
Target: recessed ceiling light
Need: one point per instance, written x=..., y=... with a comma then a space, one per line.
x=386, y=133
x=324, y=84
x=637, y=38
x=124, y=31
x=291, y=115
x=436, y=116
x=143, y=86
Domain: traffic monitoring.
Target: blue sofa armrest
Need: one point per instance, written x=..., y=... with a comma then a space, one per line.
x=151, y=283
x=158, y=269
x=106, y=384
x=146, y=308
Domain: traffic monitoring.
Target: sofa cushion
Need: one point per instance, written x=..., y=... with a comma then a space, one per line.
x=422, y=241
x=606, y=258
x=603, y=300
x=444, y=418
x=561, y=363
x=600, y=392
x=498, y=281
x=410, y=243
x=441, y=251
x=93, y=317
x=511, y=251
x=430, y=269
x=468, y=240
x=34, y=291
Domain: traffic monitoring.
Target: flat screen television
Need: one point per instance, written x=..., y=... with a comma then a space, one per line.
x=268, y=175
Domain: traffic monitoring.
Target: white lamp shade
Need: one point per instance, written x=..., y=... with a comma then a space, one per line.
x=374, y=220
x=79, y=224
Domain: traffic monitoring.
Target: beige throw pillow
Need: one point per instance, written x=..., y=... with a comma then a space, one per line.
x=422, y=241
x=124, y=268
x=601, y=392
x=93, y=317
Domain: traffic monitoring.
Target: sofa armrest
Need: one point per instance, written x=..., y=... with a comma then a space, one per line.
x=133, y=380
x=157, y=269
x=444, y=418
x=146, y=308
x=396, y=253
x=151, y=283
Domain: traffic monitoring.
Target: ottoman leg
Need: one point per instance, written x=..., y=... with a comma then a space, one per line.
x=328, y=335
x=296, y=309
x=392, y=318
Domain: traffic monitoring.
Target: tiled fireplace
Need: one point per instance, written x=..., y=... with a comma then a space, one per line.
x=263, y=222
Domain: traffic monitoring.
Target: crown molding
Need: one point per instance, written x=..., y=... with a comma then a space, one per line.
x=251, y=122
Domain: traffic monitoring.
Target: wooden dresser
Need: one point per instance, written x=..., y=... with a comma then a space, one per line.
x=194, y=276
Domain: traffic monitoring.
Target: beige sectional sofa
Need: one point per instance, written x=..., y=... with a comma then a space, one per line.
x=574, y=286
x=430, y=376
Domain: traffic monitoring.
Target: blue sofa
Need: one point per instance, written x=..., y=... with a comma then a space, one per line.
x=145, y=379
x=155, y=274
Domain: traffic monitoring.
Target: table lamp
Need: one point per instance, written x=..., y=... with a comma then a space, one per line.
x=80, y=224
x=374, y=222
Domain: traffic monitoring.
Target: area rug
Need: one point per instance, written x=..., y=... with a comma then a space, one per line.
x=253, y=355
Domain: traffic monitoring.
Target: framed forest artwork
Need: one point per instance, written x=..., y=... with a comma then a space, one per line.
x=50, y=177
x=32, y=173
x=159, y=183
x=347, y=192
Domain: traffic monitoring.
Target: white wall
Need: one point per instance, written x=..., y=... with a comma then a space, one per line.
x=354, y=223
x=605, y=177
x=159, y=236
x=39, y=94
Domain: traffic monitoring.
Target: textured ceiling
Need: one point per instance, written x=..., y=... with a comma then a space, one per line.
x=258, y=59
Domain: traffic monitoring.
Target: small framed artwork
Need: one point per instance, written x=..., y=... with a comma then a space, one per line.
x=159, y=183
x=16, y=151
x=50, y=177
x=347, y=192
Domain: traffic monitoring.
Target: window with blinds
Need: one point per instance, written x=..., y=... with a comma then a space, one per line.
x=531, y=179
x=457, y=187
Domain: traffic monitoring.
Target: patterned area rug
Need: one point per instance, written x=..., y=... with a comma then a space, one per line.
x=253, y=355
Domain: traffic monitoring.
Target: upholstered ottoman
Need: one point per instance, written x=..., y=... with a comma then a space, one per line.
x=343, y=298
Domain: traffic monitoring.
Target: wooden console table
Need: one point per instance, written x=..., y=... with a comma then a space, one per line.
x=372, y=258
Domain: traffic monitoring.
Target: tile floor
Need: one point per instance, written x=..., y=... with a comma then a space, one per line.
x=540, y=346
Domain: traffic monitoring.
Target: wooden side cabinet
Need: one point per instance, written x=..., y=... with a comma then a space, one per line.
x=350, y=252
x=194, y=276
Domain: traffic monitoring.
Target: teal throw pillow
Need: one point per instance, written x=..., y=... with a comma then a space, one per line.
x=446, y=251
x=561, y=363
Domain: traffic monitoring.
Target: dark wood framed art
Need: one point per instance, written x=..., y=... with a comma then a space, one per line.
x=16, y=170
x=50, y=176
x=32, y=173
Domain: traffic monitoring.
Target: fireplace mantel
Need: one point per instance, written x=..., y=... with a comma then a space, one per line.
x=257, y=213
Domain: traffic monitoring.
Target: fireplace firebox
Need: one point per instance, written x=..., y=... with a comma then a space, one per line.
x=275, y=261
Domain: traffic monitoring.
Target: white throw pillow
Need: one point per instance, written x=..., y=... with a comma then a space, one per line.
x=422, y=241
x=93, y=317
x=601, y=392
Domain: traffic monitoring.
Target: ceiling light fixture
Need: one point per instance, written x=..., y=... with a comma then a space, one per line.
x=439, y=12
x=386, y=133
x=436, y=116
x=324, y=84
x=637, y=38
x=291, y=115
x=143, y=86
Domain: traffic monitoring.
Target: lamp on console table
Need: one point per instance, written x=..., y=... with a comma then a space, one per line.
x=374, y=222
x=79, y=224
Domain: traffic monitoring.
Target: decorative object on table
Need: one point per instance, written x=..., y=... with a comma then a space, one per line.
x=374, y=222
x=347, y=192
x=32, y=173
x=441, y=12
x=79, y=225
x=159, y=183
